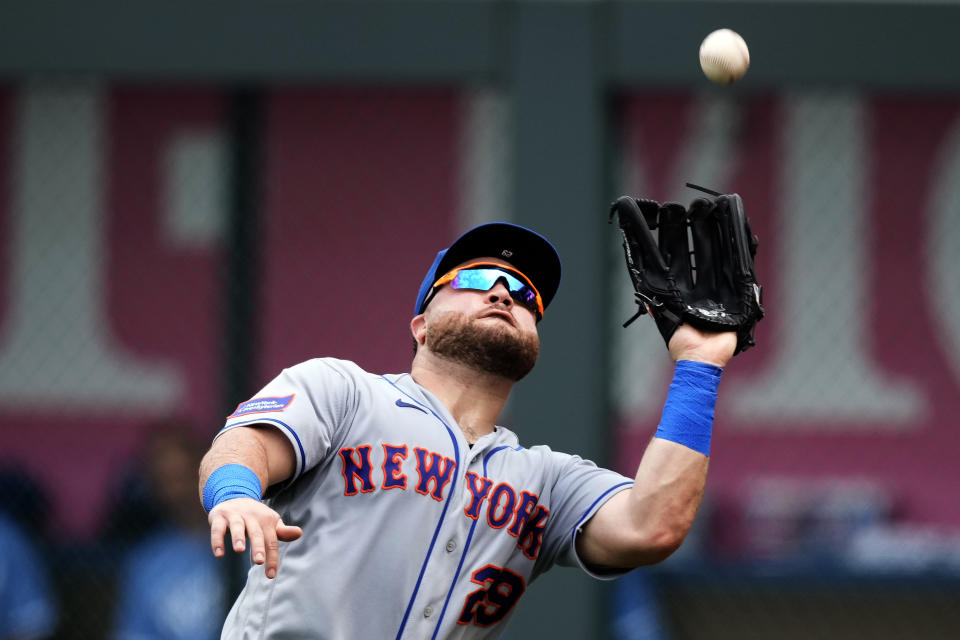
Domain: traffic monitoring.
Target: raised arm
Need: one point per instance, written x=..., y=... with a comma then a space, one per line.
x=241, y=463
x=648, y=522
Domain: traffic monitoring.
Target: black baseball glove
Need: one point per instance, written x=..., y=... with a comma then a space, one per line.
x=710, y=284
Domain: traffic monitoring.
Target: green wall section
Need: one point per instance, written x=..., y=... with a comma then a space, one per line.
x=884, y=44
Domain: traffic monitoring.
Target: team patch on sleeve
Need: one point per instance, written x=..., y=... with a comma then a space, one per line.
x=262, y=405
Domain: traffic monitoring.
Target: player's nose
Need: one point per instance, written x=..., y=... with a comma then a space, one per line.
x=499, y=293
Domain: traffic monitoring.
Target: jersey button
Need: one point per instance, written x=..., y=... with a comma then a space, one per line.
x=451, y=545
x=428, y=612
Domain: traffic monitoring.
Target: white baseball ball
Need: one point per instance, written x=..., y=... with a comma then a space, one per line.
x=724, y=56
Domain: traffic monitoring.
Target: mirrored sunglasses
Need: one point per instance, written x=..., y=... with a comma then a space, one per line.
x=481, y=276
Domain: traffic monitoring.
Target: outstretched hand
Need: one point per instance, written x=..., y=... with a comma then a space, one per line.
x=249, y=518
x=689, y=343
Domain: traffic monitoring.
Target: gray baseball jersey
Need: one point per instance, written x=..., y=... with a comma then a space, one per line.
x=408, y=531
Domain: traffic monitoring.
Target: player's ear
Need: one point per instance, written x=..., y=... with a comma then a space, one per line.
x=418, y=328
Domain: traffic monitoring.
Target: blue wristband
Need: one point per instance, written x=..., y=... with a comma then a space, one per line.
x=228, y=482
x=688, y=413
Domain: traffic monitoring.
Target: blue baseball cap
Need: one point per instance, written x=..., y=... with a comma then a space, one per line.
x=526, y=250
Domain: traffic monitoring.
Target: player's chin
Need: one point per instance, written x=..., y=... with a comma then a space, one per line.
x=488, y=345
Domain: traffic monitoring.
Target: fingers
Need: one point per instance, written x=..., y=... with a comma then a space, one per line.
x=254, y=521
x=258, y=552
x=218, y=527
x=288, y=532
x=237, y=531
x=269, y=544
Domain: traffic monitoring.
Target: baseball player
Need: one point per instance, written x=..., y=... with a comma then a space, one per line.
x=394, y=506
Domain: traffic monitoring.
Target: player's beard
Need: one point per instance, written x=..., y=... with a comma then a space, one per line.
x=486, y=346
